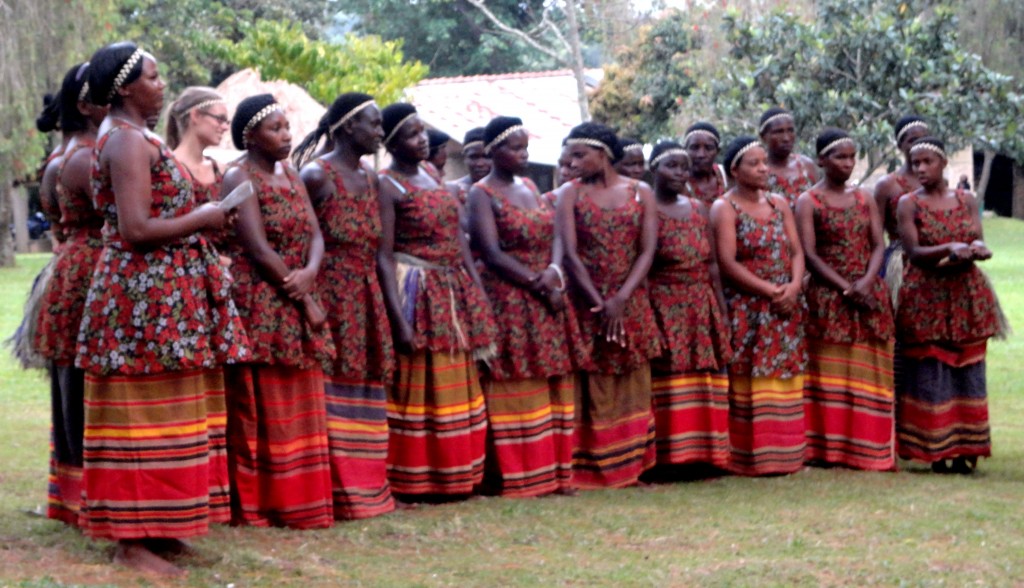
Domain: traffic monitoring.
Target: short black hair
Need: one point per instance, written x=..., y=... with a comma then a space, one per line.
x=104, y=67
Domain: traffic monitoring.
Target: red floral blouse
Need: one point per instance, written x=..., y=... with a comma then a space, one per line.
x=608, y=243
x=843, y=241
x=64, y=297
x=951, y=306
x=348, y=284
x=444, y=306
x=764, y=344
x=533, y=341
x=278, y=331
x=693, y=329
x=210, y=193
x=711, y=195
x=162, y=308
x=791, y=189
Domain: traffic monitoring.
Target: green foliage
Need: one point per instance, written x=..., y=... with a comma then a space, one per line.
x=451, y=36
x=282, y=50
x=650, y=79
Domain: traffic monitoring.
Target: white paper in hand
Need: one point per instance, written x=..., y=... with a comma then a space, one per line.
x=237, y=196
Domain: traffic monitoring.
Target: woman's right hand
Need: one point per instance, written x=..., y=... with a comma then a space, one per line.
x=212, y=216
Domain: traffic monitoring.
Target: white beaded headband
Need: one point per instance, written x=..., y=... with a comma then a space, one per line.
x=634, y=147
x=703, y=132
x=591, y=143
x=739, y=154
x=928, y=147
x=501, y=137
x=472, y=144
x=669, y=153
x=908, y=126
x=348, y=116
x=771, y=119
x=257, y=118
x=391, y=135
x=204, y=104
x=126, y=69
x=84, y=92
x=836, y=143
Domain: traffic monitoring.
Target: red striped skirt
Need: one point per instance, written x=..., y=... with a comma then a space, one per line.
x=766, y=425
x=64, y=488
x=691, y=416
x=848, y=405
x=530, y=435
x=438, y=425
x=357, y=429
x=277, y=447
x=941, y=411
x=147, y=465
x=614, y=429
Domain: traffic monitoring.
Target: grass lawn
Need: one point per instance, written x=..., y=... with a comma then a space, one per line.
x=818, y=527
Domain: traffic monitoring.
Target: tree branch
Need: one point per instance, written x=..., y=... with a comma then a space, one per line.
x=482, y=7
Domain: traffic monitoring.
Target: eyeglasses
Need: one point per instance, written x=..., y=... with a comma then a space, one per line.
x=217, y=117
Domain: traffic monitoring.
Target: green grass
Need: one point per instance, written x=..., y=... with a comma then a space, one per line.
x=819, y=527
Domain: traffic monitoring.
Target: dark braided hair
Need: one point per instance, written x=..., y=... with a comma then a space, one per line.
x=341, y=106
x=906, y=121
x=596, y=132
x=71, y=119
x=245, y=112
x=703, y=126
x=436, y=140
x=662, y=147
x=733, y=150
x=827, y=137
x=392, y=115
x=49, y=119
x=773, y=111
x=496, y=127
x=104, y=65
x=624, y=143
x=474, y=134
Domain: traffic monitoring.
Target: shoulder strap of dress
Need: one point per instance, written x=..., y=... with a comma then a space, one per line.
x=721, y=175
x=398, y=183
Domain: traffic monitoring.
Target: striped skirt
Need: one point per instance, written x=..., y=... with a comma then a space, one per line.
x=146, y=457
x=766, y=425
x=67, y=397
x=941, y=411
x=357, y=429
x=530, y=436
x=691, y=416
x=277, y=447
x=848, y=405
x=438, y=425
x=614, y=429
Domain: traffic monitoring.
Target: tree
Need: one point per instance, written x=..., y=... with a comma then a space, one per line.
x=281, y=50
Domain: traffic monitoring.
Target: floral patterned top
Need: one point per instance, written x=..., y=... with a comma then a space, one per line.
x=156, y=309
x=608, y=243
x=348, y=284
x=843, y=241
x=533, y=341
x=209, y=193
x=444, y=306
x=950, y=306
x=791, y=189
x=64, y=297
x=718, y=172
x=765, y=344
x=693, y=328
x=278, y=331
x=891, y=222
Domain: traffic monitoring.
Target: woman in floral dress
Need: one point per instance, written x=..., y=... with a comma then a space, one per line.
x=344, y=194
x=849, y=383
x=441, y=322
x=947, y=313
x=690, y=384
x=707, y=179
x=63, y=300
x=609, y=226
x=158, y=325
x=762, y=268
x=529, y=386
x=277, y=421
x=789, y=173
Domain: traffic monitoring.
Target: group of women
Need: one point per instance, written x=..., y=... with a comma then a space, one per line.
x=345, y=338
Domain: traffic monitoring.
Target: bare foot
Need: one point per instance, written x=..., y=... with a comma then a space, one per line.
x=135, y=555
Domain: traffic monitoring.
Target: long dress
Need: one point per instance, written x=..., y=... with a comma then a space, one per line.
x=709, y=196
x=614, y=417
x=354, y=382
x=56, y=339
x=690, y=384
x=530, y=385
x=944, y=321
x=158, y=326
x=766, y=377
x=436, y=412
x=277, y=420
x=848, y=393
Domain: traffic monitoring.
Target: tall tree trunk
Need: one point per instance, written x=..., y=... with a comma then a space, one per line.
x=1018, y=190
x=576, y=60
x=6, y=219
x=986, y=175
